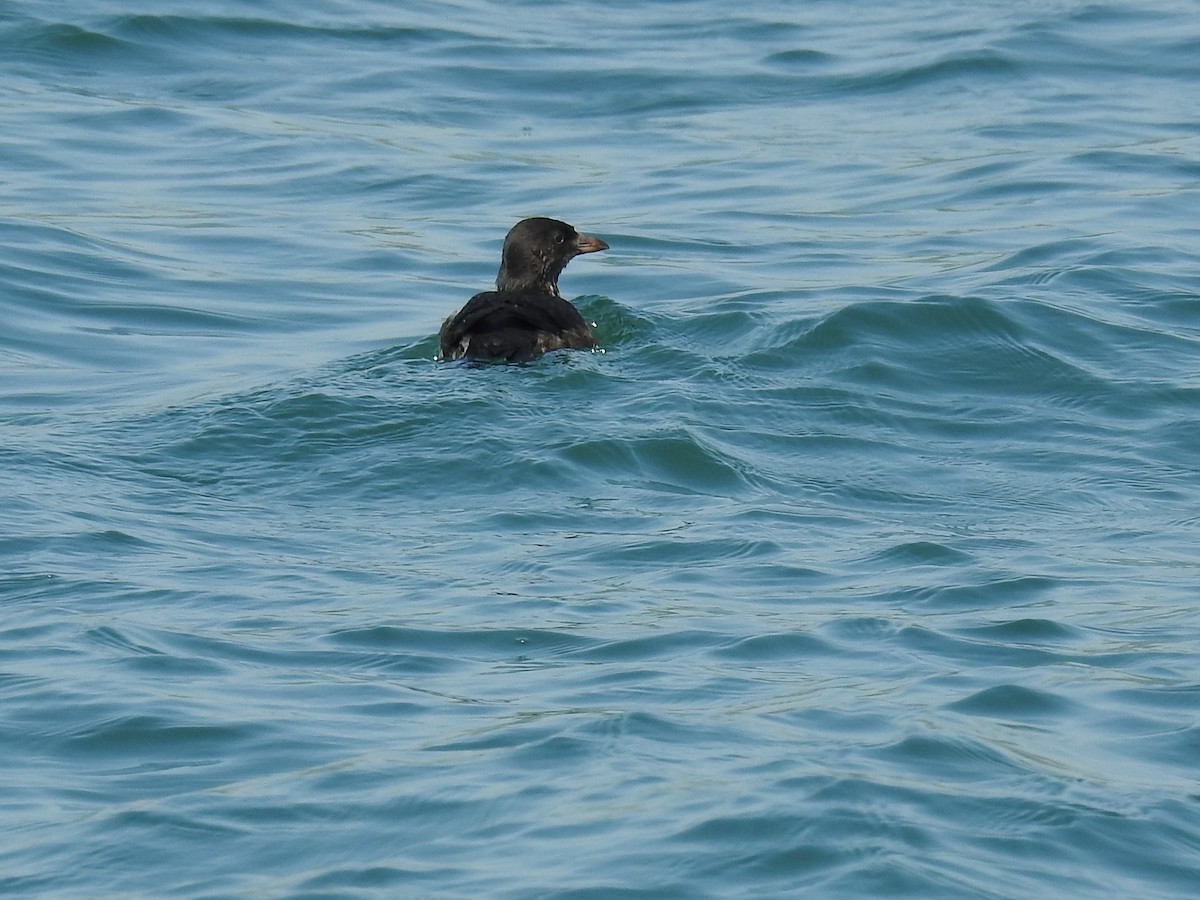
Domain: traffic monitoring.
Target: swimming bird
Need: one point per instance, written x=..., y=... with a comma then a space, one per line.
x=525, y=316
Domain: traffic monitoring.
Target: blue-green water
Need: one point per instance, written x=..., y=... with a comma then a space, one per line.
x=863, y=562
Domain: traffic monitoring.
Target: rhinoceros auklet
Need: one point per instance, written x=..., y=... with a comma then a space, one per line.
x=525, y=316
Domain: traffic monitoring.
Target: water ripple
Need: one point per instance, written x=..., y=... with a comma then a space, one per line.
x=857, y=561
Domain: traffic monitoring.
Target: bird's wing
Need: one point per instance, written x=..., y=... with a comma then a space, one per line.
x=496, y=310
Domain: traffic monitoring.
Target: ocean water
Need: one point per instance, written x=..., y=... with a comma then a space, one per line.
x=863, y=559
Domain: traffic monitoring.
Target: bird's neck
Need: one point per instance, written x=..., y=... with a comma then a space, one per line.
x=520, y=273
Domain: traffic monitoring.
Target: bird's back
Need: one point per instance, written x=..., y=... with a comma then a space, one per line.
x=513, y=325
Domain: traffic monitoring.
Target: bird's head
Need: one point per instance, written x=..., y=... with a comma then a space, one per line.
x=535, y=252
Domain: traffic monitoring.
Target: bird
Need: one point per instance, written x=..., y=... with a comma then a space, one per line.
x=525, y=316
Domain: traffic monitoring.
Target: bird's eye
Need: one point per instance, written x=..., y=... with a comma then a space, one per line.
x=558, y=239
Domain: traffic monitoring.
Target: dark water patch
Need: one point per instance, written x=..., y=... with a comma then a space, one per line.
x=671, y=462
x=1014, y=702
x=80, y=544
x=862, y=326
x=777, y=647
x=1160, y=166
x=862, y=628
x=554, y=738
x=265, y=649
x=355, y=879
x=481, y=645
x=525, y=743
x=990, y=193
x=1096, y=40
x=951, y=758
x=192, y=31
x=1018, y=591
x=954, y=71
x=145, y=736
x=837, y=723
x=1032, y=631
x=659, y=886
x=684, y=550
x=1165, y=697
x=947, y=647
x=994, y=171
x=922, y=553
x=661, y=646
x=1106, y=834
x=805, y=59
x=730, y=327
x=967, y=347
x=72, y=48
x=616, y=326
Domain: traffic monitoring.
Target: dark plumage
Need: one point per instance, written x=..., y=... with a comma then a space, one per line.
x=525, y=316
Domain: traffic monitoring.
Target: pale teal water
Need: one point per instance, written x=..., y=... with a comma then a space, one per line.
x=862, y=563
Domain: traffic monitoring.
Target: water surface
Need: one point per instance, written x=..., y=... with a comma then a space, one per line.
x=860, y=562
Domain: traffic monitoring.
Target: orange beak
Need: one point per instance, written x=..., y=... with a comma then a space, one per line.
x=585, y=243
